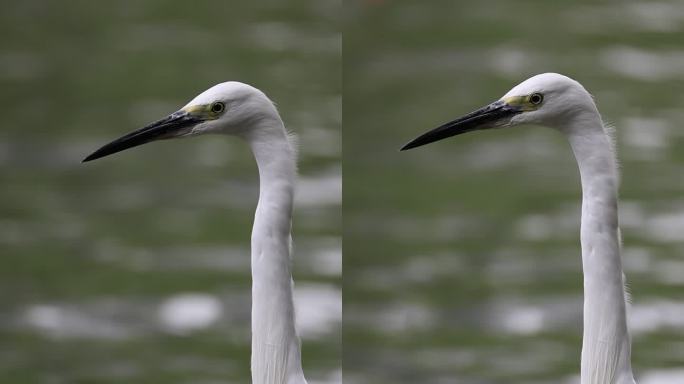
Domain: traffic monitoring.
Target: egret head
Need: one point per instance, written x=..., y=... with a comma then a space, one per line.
x=230, y=108
x=548, y=99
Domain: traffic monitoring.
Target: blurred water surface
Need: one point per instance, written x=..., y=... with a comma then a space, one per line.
x=135, y=268
x=462, y=258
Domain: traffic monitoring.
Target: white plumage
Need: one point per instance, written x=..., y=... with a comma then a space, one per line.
x=241, y=110
x=561, y=103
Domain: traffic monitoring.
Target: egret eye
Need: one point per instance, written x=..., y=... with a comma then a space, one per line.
x=218, y=107
x=536, y=98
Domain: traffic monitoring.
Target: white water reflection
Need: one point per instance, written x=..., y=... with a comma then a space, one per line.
x=224, y=258
x=318, y=306
x=564, y=223
x=322, y=256
x=318, y=309
x=652, y=315
x=524, y=316
x=323, y=189
x=151, y=37
x=652, y=16
x=512, y=61
x=662, y=376
x=525, y=320
x=659, y=16
x=189, y=312
x=642, y=222
x=393, y=318
x=334, y=377
x=667, y=227
x=64, y=321
x=651, y=376
x=518, y=316
x=649, y=137
x=642, y=64
x=279, y=37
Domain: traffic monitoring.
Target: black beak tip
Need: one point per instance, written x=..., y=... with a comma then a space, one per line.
x=406, y=147
x=93, y=156
x=87, y=159
x=417, y=142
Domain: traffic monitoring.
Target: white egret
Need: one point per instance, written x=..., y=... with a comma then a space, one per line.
x=559, y=102
x=241, y=110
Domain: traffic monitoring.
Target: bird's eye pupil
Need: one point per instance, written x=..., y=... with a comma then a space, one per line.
x=536, y=98
x=217, y=107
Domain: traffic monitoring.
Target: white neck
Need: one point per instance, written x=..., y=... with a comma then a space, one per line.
x=276, y=357
x=606, y=341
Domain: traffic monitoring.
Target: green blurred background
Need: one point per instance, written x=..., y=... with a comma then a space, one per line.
x=462, y=258
x=135, y=268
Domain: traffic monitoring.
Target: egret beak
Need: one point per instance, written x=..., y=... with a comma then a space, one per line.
x=493, y=115
x=176, y=124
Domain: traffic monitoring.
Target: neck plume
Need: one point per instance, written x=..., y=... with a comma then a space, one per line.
x=606, y=340
x=276, y=356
